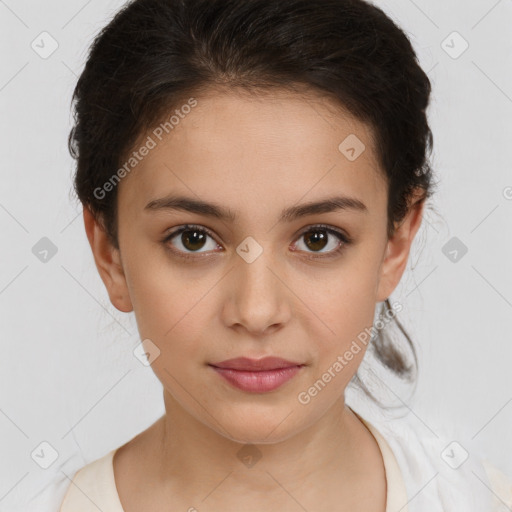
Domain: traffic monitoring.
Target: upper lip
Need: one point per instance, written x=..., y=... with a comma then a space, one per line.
x=245, y=363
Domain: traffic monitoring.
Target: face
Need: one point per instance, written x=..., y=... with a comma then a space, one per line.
x=264, y=275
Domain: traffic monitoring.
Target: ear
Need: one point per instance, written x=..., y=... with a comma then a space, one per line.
x=108, y=262
x=397, y=251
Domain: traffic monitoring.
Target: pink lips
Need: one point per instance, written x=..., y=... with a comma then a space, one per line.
x=257, y=375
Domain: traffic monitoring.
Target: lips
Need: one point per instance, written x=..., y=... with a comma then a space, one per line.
x=255, y=365
x=257, y=375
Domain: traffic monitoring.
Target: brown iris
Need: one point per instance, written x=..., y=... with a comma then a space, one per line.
x=193, y=239
x=316, y=239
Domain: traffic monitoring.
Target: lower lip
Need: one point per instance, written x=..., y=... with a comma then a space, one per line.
x=258, y=382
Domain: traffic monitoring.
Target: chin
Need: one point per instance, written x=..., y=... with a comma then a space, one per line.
x=251, y=435
x=257, y=428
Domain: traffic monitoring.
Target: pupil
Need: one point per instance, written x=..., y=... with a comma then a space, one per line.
x=319, y=239
x=195, y=238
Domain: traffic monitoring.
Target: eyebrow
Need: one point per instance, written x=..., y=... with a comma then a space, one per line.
x=330, y=204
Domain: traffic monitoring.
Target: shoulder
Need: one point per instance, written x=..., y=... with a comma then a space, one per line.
x=441, y=469
x=93, y=488
x=501, y=486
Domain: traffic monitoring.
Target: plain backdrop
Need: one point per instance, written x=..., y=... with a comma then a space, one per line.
x=70, y=386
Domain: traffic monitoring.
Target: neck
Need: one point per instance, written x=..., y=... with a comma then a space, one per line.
x=192, y=454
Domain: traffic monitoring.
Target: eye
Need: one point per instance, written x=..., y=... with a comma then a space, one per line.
x=319, y=237
x=190, y=239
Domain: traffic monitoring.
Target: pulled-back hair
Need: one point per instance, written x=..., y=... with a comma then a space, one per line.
x=154, y=54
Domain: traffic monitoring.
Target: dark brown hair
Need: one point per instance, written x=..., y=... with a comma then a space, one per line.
x=155, y=53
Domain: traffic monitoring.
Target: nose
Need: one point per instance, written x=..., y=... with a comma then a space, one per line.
x=258, y=298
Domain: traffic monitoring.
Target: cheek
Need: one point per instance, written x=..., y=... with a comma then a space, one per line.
x=346, y=308
x=339, y=355
x=167, y=309
x=347, y=302
x=173, y=310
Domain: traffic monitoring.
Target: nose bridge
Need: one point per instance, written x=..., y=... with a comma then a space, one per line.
x=259, y=298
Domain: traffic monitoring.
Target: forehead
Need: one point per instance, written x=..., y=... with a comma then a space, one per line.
x=238, y=148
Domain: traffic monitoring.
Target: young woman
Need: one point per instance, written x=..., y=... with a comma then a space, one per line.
x=253, y=174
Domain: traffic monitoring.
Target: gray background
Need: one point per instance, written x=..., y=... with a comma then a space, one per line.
x=68, y=376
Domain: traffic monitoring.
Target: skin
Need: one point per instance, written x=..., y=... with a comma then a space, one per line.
x=257, y=156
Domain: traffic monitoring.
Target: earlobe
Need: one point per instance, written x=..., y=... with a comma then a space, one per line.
x=108, y=263
x=397, y=251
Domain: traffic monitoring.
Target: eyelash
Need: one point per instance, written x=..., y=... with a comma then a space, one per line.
x=345, y=240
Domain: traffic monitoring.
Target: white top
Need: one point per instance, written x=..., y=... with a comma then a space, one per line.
x=417, y=478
